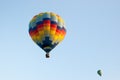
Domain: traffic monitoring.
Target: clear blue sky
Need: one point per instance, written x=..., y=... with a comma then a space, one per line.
x=92, y=41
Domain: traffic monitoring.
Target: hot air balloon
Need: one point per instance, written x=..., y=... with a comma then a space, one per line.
x=99, y=72
x=47, y=30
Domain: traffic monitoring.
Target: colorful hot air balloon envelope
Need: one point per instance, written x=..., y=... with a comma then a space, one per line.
x=47, y=30
x=99, y=72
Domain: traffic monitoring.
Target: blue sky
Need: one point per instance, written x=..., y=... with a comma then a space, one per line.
x=92, y=41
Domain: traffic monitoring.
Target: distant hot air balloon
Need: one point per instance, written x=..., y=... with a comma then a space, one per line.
x=47, y=30
x=99, y=72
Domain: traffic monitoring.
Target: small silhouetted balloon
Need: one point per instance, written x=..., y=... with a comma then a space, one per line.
x=99, y=72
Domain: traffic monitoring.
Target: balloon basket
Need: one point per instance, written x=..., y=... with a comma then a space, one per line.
x=47, y=55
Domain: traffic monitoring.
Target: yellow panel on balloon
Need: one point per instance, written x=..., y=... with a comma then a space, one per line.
x=46, y=30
